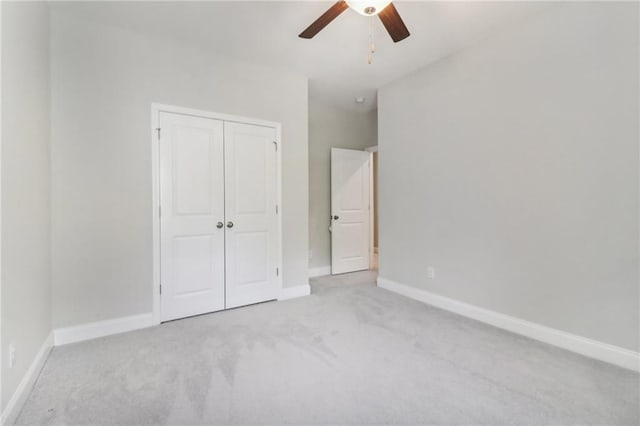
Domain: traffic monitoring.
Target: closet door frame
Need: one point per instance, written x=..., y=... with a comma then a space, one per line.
x=156, y=109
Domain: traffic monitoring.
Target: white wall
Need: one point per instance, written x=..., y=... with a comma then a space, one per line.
x=512, y=168
x=329, y=127
x=103, y=83
x=26, y=285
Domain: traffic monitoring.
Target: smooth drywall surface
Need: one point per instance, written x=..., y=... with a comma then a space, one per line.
x=330, y=127
x=26, y=284
x=103, y=83
x=512, y=168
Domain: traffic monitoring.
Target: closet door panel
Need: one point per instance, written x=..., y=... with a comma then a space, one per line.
x=251, y=219
x=192, y=204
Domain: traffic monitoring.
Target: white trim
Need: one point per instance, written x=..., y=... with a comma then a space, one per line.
x=592, y=348
x=372, y=148
x=280, y=233
x=156, y=108
x=1, y=145
x=371, y=207
x=79, y=333
x=155, y=212
x=320, y=271
x=14, y=406
x=294, y=292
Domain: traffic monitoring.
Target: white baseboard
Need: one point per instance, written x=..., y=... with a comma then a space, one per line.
x=592, y=348
x=93, y=330
x=293, y=292
x=319, y=272
x=11, y=411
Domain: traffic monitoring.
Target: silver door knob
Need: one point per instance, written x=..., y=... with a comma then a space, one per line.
x=219, y=225
x=229, y=224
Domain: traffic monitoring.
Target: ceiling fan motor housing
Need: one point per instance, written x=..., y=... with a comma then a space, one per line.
x=368, y=7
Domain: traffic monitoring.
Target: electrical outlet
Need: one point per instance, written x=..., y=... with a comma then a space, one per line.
x=431, y=272
x=12, y=355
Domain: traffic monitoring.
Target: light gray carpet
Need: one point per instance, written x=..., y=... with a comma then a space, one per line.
x=351, y=353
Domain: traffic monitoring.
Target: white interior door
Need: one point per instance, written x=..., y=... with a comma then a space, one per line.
x=251, y=218
x=192, y=214
x=350, y=181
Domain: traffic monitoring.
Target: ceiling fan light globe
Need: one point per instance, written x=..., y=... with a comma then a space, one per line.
x=368, y=7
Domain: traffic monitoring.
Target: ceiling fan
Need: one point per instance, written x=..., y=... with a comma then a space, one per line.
x=385, y=10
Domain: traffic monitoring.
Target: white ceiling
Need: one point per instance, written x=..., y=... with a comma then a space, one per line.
x=266, y=33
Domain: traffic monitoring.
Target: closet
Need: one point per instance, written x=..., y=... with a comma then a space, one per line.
x=219, y=226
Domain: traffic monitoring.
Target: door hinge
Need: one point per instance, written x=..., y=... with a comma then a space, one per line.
x=159, y=211
x=160, y=288
x=277, y=272
x=158, y=130
x=276, y=209
x=276, y=144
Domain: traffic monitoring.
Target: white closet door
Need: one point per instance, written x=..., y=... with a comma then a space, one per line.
x=251, y=219
x=192, y=205
x=350, y=180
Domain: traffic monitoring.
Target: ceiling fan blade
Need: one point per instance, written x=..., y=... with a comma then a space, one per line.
x=393, y=23
x=324, y=20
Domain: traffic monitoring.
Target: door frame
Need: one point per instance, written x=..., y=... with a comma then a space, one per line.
x=156, y=109
x=372, y=206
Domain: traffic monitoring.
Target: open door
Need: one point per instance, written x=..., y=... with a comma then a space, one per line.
x=350, y=204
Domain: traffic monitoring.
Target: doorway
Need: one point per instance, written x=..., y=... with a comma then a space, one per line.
x=353, y=218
